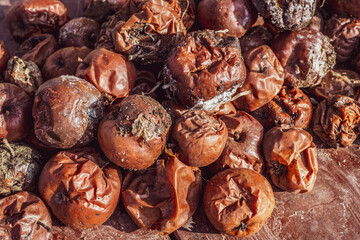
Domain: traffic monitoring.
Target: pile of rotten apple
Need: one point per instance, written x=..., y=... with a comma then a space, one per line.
x=133, y=101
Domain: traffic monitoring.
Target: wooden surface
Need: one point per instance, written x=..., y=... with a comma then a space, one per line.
x=330, y=211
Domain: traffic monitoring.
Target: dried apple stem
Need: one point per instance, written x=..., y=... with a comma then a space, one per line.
x=7, y=145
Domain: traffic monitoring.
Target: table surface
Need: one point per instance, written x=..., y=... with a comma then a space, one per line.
x=330, y=211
